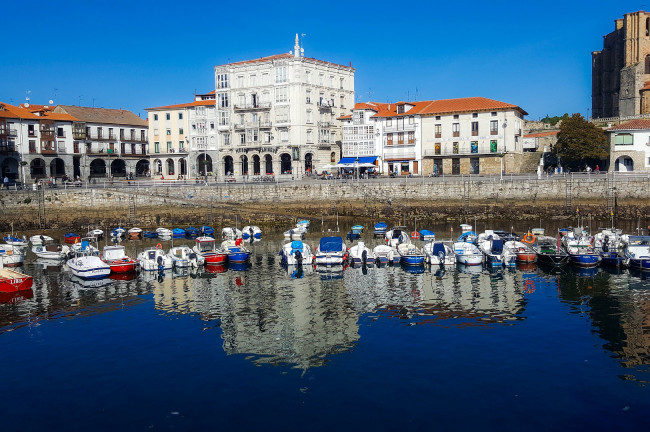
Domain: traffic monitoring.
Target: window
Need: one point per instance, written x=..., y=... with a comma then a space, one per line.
x=437, y=117
x=281, y=74
x=222, y=81
x=181, y=146
x=155, y=131
x=389, y=122
x=475, y=128
x=168, y=116
x=493, y=113
x=474, y=146
x=438, y=130
x=455, y=148
x=455, y=116
x=222, y=100
x=242, y=138
x=169, y=146
x=455, y=128
x=282, y=114
x=400, y=138
x=624, y=139
x=155, y=117
x=309, y=119
x=411, y=137
x=240, y=81
x=389, y=139
x=341, y=83
x=156, y=147
x=411, y=119
x=494, y=127
x=226, y=138
x=223, y=118
x=180, y=116
x=180, y=131
x=284, y=135
x=211, y=125
x=474, y=115
x=438, y=148
x=308, y=96
x=281, y=95
x=59, y=132
x=310, y=139
x=169, y=132
x=308, y=77
x=253, y=80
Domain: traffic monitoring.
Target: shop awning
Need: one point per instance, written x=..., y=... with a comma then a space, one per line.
x=347, y=160
x=368, y=159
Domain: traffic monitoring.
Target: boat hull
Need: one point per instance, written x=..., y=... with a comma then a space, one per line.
x=584, y=260
x=469, y=260
x=13, y=281
x=640, y=263
x=238, y=257
x=526, y=257
x=122, y=266
x=412, y=260
x=215, y=258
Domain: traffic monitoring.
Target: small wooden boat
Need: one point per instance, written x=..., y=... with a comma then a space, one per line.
x=206, y=247
x=117, y=259
x=14, y=281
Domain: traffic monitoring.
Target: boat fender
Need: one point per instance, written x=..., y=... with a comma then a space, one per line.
x=159, y=246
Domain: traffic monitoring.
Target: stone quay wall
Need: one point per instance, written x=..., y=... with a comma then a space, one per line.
x=264, y=203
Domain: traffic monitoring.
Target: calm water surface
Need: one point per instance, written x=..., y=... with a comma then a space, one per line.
x=360, y=349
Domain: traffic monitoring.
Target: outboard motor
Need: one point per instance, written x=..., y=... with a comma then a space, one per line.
x=606, y=244
x=193, y=262
x=298, y=256
x=441, y=257
x=364, y=257
x=161, y=265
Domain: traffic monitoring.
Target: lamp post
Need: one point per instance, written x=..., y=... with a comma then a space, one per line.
x=505, y=125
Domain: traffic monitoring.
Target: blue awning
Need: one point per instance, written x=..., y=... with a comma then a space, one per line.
x=347, y=160
x=368, y=159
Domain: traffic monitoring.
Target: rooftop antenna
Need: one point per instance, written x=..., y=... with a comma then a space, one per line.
x=80, y=97
x=27, y=98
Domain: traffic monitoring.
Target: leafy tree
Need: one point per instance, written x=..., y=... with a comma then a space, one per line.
x=555, y=119
x=581, y=143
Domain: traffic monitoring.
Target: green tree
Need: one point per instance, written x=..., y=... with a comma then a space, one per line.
x=554, y=120
x=581, y=143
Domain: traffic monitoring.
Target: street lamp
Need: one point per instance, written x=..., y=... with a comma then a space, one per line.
x=505, y=125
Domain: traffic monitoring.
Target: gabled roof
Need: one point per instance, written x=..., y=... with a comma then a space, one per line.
x=11, y=111
x=639, y=124
x=59, y=116
x=541, y=134
x=374, y=106
x=207, y=102
x=390, y=110
x=345, y=117
x=102, y=115
x=460, y=105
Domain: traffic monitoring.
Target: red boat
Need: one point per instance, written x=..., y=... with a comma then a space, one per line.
x=206, y=247
x=115, y=257
x=71, y=238
x=12, y=281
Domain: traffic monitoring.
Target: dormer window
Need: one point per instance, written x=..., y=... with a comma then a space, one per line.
x=400, y=109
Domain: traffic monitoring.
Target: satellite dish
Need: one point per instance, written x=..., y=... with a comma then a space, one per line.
x=51, y=101
x=26, y=104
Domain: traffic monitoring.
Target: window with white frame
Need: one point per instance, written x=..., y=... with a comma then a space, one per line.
x=226, y=138
x=222, y=81
x=282, y=114
x=284, y=135
x=280, y=74
x=309, y=119
x=623, y=139
x=281, y=94
x=222, y=100
x=224, y=118
x=253, y=80
x=240, y=81
x=310, y=139
x=308, y=77
x=242, y=138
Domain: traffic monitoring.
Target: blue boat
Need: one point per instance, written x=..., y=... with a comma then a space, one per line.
x=191, y=232
x=426, y=235
x=236, y=252
x=579, y=248
x=355, y=232
x=410, y=255
x=467, y=237
x=150, y=234
x=207, y=230
x=118, y=232
x=380, y=229
x=612, y=259
x=178, y=233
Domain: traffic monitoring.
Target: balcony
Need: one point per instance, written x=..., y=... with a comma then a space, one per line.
x=100, y=137
x=47, y=134
x=481, y=151
x=398, y=154
x=324, y=106
x=323, y=124
x=31, y=133
x=133, y=139
x=239, y=126
x=400, y=128
x=48, y=150
x=79, y=135
x=265, y=125
x=253, y=107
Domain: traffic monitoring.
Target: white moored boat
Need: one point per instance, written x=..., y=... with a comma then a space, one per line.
x=296, y=252
x=40, y=240
x=468, y=254
x=183, y=256
x=154, y=259
x=229, y=233
x=86, y=264
x=439, y=253
x=360, y=254
x=331, y=251
x=11, y=256
x=164, y=232
x=386, y=254
x=251, y=231
x=51, y=251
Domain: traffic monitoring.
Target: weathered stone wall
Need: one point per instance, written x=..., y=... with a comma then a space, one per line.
x=156, y=206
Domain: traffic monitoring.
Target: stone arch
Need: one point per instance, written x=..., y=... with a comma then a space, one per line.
x=142, y=168
x=37, y=168
x=182, y=166
x=308, y=162
x=333, y=157
x=204, y=162
x=624, y=164
x=285, y=163
x=118, y=168
x=98, y=168
x=10, y=168
x=268, y=162
x=57, y=167
x=228, y=165
x=157, y=167
x=170, y=167
x=256, y=165
x=647, y=64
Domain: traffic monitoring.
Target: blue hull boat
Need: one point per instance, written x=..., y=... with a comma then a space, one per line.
x=178, y=233
x=191, y=232
x=584, y=260
x=150, y=234
x=207, y=231
x=612, y=259
x=380, y=229
x=640, y=263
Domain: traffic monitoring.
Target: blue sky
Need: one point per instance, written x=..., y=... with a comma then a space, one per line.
x=137, y=54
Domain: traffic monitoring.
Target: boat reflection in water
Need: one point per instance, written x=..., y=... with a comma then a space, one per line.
x=239, y=266
x=330, y=272
x=16, y=296
x=298, y=271
x=215, y=268
x=123, y=276
x=89, y=283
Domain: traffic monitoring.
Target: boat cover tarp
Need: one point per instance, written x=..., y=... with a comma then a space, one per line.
x=639, y=239
x=367, y=159
x=296, y=245
x=438, y=248
x=381, y=225
x=427, y=233
x=331, y=244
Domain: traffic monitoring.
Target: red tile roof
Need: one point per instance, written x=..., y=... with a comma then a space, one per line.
x=344, y=117
x=390, y=110
x=208, y=102
x=11, y=111
x=59, y=116
x=646, y=86
x=541, y=134
x=633, y=125
x=470, y=104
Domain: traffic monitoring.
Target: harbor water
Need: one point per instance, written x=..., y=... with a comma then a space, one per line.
x=261, y=347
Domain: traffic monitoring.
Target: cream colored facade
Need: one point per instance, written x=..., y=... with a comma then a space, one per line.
x=276, y=115
x=168, y=129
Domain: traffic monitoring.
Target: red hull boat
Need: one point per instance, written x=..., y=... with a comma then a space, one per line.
x=13, y=281
x=117, y=260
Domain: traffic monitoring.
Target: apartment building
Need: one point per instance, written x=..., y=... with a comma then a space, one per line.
x=630, y=146
x=275, y=115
